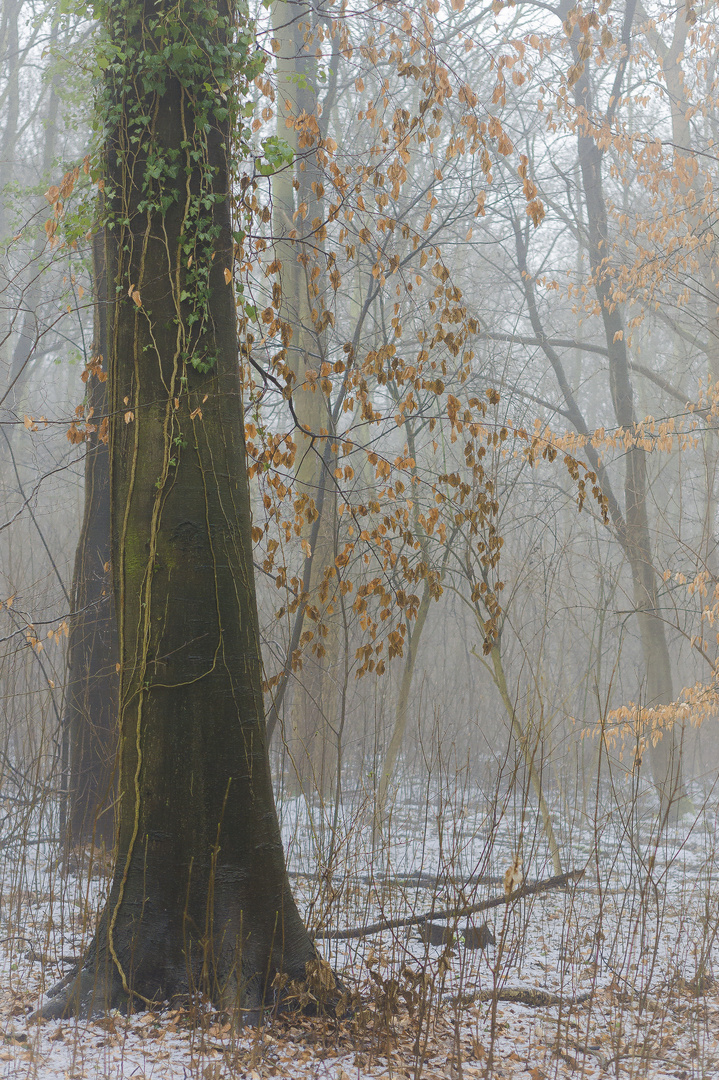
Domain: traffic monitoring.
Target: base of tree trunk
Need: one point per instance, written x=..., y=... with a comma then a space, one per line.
x=97, y=988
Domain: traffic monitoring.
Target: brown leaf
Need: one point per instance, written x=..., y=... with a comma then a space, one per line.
x=107, y=1023
x=513, y=876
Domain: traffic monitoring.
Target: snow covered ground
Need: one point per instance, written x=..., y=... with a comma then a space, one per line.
x=627, y=950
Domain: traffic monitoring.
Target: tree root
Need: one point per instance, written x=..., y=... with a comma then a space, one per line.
x=84, y=994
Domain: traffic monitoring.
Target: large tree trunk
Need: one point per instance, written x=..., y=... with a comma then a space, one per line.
x=200, y=900
x=90, y=719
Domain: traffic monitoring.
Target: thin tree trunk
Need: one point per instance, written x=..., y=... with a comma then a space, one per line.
x=402, y=709
x=665, y=756
x=671, y=57
x=415, y=635
x=298, y=245
x=9, y=44
x=90, y=718
x=528, y=753
x=31, y=329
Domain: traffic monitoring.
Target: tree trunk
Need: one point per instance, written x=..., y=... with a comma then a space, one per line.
x=402, y=710
x=414, y=636
x=658, y=690
x=91, y=703
x=672, y=59
x=200, y=901
x=528, y=753
x=31, y=329
x=313, y=734
x=298, y=245
x=10, y=46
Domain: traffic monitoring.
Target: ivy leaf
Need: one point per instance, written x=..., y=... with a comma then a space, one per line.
x=276, y=154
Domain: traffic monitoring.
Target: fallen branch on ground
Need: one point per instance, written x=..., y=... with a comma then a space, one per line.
x=450, y=913
x=521, y=995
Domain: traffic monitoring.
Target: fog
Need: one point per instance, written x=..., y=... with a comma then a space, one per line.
x=475, y=270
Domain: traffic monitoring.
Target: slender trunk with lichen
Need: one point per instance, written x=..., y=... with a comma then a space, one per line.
x=298, y=230
x=200, y=901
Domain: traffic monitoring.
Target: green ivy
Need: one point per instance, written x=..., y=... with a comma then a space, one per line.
x=214, y=59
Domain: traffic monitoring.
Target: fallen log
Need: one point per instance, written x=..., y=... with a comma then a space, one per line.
x=521, y=995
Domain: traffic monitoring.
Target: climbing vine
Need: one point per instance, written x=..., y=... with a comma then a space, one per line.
x=209, y=55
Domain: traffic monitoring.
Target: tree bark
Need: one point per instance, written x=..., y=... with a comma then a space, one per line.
x=200, y=902
x=90, y=718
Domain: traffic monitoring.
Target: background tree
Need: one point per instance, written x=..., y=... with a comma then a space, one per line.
x=91, y=702
x=299, y=230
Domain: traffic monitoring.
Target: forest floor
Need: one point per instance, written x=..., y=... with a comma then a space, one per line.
x=626, y=951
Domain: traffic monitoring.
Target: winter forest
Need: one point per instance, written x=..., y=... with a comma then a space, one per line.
x=359, y=539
